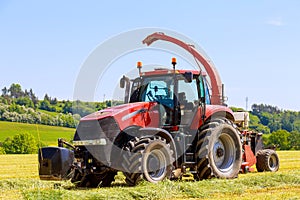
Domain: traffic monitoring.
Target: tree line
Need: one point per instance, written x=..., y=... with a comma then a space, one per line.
x=17, y=105
x=280, y=127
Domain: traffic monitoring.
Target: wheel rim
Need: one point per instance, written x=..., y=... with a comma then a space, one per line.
x=224, y=152
x=156, y=165
x=273, y=162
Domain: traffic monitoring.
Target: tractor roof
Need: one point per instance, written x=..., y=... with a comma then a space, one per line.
x=162, y=71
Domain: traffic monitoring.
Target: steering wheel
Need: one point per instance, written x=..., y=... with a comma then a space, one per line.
x=150, y=96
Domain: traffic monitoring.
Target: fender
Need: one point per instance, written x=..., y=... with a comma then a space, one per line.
x=119, y=141
x=218, y=111
x=212, y=111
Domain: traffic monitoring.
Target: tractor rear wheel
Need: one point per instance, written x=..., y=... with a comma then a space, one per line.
x=267, y=160
x=150, y=158
x=219, y=151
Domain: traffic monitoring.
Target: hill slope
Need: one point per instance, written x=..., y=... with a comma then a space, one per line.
x=46, y=134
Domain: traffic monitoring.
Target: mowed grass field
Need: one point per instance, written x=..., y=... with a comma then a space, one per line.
x=48, y=135
x=19, y=180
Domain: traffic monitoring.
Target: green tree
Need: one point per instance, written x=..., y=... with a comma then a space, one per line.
x=4, y=91
x=15, y=90
x=108, y=103
x=33, y=98
x=294, y=140
x=25, y=101
x=255, y=124
x=53, y=101
x=23, y=143
x=265, y=118
x=67, y=107
x=45, y=105
x=47, y=98
x=280, y=138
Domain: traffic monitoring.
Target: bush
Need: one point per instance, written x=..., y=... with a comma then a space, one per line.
x=2, y=151
x=280, y=139
x=23, y=143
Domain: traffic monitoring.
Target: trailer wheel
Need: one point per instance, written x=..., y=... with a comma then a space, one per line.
x=150, y=158
x=267, y=160
x=219, y=151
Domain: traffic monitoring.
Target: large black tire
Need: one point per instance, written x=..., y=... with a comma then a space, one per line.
x=267, y=160
x=219, y=151
x=94, y=180
x=150, y=158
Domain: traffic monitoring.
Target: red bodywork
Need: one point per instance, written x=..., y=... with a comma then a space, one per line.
x=144, y=114
x=249, y=159
x=211, y=111
x=132, y=114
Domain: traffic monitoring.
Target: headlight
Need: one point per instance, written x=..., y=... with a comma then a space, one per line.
x=101, y=141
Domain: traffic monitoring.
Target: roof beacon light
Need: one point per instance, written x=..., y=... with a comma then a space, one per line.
x=174, y=62
x=139, y=66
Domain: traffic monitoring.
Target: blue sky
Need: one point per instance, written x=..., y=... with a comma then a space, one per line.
x=254, y=44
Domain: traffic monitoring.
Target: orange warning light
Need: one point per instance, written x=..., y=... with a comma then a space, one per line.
x=139, y=64
x=174, y=61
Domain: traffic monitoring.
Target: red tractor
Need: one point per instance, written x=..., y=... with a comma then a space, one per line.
x=172, y=122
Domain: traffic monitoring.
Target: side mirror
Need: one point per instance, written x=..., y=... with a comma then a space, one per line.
x=188, y=77
x=122, y=82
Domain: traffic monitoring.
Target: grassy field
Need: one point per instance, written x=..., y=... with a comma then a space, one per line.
x=46, y=134
x=19, y=180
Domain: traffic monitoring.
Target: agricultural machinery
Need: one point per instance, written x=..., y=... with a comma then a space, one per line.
x=172, y=122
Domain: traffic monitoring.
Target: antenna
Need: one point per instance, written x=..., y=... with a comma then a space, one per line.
x=247, y=103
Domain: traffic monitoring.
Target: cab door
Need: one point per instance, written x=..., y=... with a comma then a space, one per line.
x=202, y=99
x=188, y=98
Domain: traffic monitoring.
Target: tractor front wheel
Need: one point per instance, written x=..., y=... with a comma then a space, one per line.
x=150, y=158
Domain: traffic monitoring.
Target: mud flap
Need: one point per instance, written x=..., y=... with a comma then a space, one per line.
x=55, y=163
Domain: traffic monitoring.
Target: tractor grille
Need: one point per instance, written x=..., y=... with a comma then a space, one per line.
x=96, y=129
x=91, y=131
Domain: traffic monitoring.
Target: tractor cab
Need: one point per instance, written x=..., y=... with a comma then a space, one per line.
x=178, y=93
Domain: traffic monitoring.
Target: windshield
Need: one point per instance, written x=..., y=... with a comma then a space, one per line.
x=161, y=89
x=157, y=88
x=153, y=89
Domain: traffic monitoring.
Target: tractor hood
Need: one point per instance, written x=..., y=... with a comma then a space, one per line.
x=98, y=131
x=132, y=114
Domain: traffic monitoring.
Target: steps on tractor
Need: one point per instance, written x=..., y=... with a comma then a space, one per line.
x=189, y=158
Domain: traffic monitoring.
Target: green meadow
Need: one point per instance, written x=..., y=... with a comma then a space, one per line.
x=19, y=180
x=48, y=135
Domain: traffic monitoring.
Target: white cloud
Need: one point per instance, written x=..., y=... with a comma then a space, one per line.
x=275, y=22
